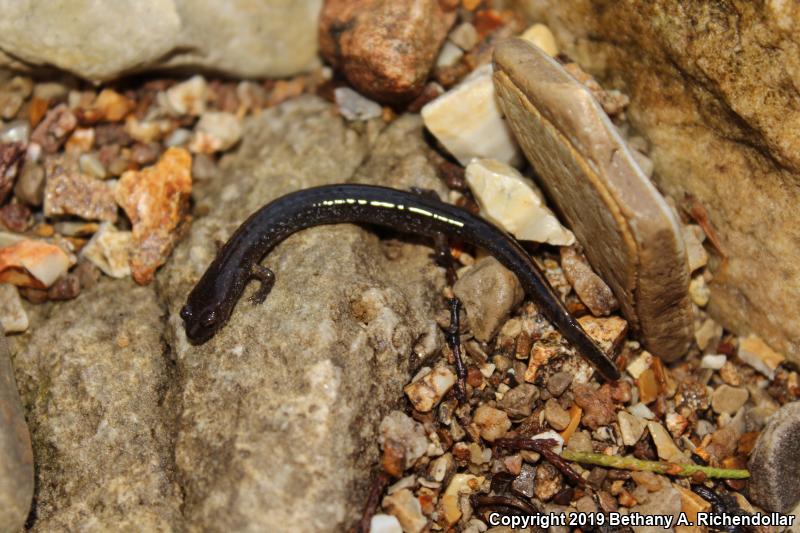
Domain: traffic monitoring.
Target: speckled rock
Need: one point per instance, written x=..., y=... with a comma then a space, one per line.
x=16, y=457
x=97, y=382
x=630, y=236
x=280, y=411
x=102, y=40
x=775, y=462
x=696, y=74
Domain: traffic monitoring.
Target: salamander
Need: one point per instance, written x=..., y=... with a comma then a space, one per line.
x=213, y=298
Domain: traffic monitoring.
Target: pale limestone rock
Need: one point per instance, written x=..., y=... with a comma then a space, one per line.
x=100, y=41
x=628, y=231
x=216, y=132
x=384, y=523
x=638, y=365
x=460, y=484
x=696, y=255
x=727, y=399
x=469, y=123
x=712, y=361
x=492, y=423
x=406, y=508
x=512, y=202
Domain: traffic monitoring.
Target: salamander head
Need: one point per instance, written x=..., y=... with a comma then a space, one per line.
x=201, y=323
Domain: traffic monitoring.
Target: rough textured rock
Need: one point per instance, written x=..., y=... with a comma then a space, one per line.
x=775, y=462
x=16, y=457
x=385, y=48
x=280, y=410
x=714, y=89
x=629, y=233
x=103, y=40
x=95, y=377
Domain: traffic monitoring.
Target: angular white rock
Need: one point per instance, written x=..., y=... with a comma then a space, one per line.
x=511, y=201
x=109, y=250
x=448, y=55
x=354, y=106
x=468, y=122
x=460, y=484
x=640, y=364
x=12, y=314
x=665, y=446
x=642, y=411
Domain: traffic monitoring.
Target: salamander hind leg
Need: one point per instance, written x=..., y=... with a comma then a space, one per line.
x=267, y=279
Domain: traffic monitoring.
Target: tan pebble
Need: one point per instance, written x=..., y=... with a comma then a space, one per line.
x=541, y=36
x=492, y=423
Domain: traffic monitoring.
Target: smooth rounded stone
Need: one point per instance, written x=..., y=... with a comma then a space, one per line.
x=489, y=292
x=16, y=457
x=727, y=399
x=556, y=416
x=775, y=462
x=518, y=402
x=629, y=234
x=18, y=131
x=100, y=386
x=353, y=106
x=279, y=413
x=385, y=48
x=100, y=41
x=692, y=98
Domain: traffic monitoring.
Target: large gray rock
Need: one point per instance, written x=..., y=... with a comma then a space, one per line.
x=16, y=457
x=100, y=40
x=273, y=424
x=97, y=382
x=775, y=462
x=280, y=411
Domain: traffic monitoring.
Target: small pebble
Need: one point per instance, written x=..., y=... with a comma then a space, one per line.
x=631, y=427
x=548, y=482
x=699, y=291
x=465, y=36
x=354, y=106
x=179, y=137
x=727, y=399
x=589, y=287
x=492, y=423
x=406, y=509
x=384, y=523
x=188, y=97
x=91, y=165
x=460, y=484
x=51, y=132
x=524, y=482
x=32, y=263
x=69, y=193
x=556, y=416
x=714, y=362
x=518, y=402
x=156, y=200
x=708, y=334
x=696, y=255
x=667, y=450
x=608, y=332
x=109, y=250
x=401, y=428
x=216, y=132
x=425, y=392
x=449, y=55
x=541, y=36
x=756, y=353
x=558, y=383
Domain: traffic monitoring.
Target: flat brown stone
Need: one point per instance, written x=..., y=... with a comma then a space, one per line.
x=630, y=235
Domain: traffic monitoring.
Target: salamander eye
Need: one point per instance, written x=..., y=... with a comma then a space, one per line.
x=186, y=312
x=209, y=318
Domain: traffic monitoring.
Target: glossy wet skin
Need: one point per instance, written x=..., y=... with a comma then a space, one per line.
x=212, y=300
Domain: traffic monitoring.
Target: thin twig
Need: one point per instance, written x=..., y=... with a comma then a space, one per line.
x=454, y=341
x=672, y=469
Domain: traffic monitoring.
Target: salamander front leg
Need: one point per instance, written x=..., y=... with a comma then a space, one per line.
x=267, y=279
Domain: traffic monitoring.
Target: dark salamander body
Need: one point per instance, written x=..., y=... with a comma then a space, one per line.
x=211, y=302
